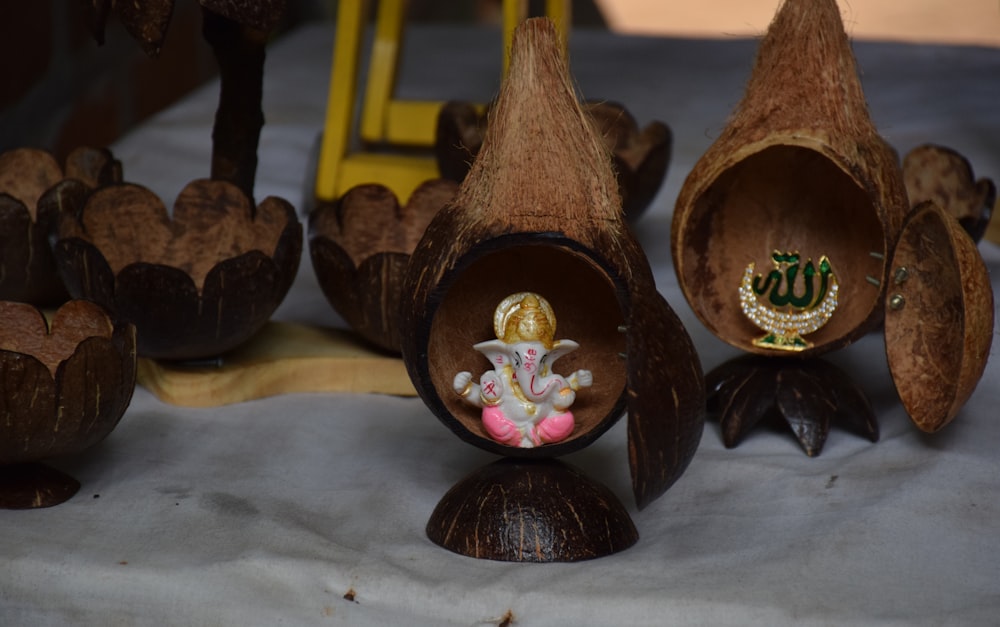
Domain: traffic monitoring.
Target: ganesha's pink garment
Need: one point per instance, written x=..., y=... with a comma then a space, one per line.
x=500, y=427
x=555, y=428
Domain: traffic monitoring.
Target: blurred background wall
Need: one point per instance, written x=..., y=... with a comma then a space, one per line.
x=59, y=89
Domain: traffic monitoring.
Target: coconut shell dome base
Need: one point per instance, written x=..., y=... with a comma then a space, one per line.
x=531, y=511
x=34, y=485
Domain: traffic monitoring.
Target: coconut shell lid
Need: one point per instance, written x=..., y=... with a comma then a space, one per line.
x=938, y=317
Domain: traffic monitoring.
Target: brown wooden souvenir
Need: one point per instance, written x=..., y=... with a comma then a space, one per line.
x=800, y=173
x=360, y=247
x=799, y=167
x=539, y=217
x=940, y=174
x=532, y=510
x=640, y=156
x=26, y=221
x=195, y=284
x=64, y=389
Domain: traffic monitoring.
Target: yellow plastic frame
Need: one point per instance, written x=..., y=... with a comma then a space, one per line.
x=385, y=120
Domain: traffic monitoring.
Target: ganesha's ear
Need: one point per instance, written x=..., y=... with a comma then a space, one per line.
x=496, y=351
x=560, y=348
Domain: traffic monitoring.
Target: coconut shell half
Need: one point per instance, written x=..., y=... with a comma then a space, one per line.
x=938, y=317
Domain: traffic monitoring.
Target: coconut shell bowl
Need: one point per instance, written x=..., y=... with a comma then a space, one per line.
x=796, y=233
x=64, y=388
x=26, y=219
x=360, y=246
x=530, y=262
x=195, y=283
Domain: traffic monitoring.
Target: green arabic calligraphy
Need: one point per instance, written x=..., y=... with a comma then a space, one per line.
x=786, y=267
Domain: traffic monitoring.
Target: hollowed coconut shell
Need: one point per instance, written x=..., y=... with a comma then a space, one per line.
x=799, y=167
x=360, y=247
x=539, y=211
x=27, y=268
x=640, y=156
x=62, y=390
x=196, y=283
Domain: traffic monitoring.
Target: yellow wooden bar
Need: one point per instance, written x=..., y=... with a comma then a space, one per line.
x=411, y=122
x=340, y=99
x=382, y=69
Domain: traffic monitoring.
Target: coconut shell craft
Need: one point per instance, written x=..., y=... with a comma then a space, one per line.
x=64, y=389
x=538, y=223
x=640, y=156
x=944, y=176
x=360, y=247
x=29, y=270
x=801, y=184
x=196, y=283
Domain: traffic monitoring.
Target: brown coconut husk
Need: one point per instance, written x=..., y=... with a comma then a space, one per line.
x=540, y=211
x=799, y=166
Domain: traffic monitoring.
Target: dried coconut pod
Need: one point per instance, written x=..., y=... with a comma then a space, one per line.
x=799, y=167
x=540, y=211
x=360, y=247
x=944, y=176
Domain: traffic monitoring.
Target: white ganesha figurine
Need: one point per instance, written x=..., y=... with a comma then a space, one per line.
x=524, y=403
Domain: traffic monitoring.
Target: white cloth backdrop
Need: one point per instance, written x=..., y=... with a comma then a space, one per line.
x=270, y=512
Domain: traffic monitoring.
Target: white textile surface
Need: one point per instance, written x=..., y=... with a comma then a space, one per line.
x=271, y=512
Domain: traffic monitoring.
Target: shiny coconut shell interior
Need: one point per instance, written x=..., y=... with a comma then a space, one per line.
x=786, y=198
x=587, y=311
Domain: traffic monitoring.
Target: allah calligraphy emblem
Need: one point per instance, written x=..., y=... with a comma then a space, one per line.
x=786, y=304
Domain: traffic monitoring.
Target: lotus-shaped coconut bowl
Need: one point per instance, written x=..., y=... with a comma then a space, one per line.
x=360, y=247
x=62, y=389
x=195, y=284
x=26, y=220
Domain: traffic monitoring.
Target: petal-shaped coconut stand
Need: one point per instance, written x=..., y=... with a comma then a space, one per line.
x=799, y=167
x=62, y=390
x=540, y=212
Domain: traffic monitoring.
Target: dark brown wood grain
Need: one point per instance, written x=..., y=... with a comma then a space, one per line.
x=798, y=167
x=531, y=511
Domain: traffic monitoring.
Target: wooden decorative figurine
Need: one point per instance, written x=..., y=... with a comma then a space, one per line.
x=65, y=389
x=793, y=235
x=537, y=228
